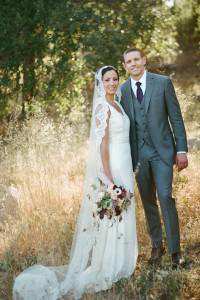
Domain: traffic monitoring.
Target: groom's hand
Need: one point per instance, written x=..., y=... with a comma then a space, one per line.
x=181, y=161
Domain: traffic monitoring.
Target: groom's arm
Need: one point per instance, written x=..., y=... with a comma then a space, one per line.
x=175, y=117
x=176, y=120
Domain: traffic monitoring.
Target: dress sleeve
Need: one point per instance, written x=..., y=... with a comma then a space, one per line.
x=101, y=123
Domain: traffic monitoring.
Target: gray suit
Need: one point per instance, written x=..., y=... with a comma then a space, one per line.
x=157, y=133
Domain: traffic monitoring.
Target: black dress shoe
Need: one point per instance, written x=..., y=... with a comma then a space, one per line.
x=177, y=261
x=156, y=255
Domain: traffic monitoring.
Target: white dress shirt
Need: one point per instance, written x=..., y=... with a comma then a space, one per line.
x=142, y=80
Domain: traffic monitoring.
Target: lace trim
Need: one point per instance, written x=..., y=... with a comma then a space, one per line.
x=101, y=116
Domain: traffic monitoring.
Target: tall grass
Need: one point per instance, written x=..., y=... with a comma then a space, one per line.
x=41, y=178
x=41, y=175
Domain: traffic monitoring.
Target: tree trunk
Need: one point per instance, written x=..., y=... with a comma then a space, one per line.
x=29, y=84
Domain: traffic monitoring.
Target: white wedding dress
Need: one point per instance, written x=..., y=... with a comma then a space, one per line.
x=100, y=255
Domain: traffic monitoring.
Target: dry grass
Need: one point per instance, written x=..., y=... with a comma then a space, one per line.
x=41, y=175
x=41, y=184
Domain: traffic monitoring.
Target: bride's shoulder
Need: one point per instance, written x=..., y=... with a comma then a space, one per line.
x=102, y=108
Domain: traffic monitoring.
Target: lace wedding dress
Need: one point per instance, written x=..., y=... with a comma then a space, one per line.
x=103, y=251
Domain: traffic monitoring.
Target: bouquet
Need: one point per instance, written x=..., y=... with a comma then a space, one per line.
x=112, y=202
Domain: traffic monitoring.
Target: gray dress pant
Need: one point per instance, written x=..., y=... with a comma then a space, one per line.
x=155, y=179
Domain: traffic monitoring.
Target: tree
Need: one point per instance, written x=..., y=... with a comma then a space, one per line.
x=188, y=23
x=49, y=48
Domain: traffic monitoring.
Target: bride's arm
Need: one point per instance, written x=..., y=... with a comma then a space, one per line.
x=102, y=116
x=105, y=152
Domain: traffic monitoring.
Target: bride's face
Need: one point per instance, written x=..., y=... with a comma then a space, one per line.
x=110, y=82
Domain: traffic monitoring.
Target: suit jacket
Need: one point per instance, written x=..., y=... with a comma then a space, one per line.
x=164, y=118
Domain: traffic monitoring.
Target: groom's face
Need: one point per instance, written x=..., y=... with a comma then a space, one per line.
x=134, y=63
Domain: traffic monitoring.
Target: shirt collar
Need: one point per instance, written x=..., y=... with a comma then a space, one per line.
x=142, y=79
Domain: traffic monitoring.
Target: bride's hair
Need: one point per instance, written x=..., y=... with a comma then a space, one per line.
x=109, y=68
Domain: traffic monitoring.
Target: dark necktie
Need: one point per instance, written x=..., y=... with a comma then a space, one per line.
x=139, y=92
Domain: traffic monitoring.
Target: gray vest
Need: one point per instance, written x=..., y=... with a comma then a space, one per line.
x=141, y=124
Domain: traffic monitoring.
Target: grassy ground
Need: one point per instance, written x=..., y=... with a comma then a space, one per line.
x=41, y=178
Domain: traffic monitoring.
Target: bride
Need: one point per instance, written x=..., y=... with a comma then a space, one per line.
x=103, y=250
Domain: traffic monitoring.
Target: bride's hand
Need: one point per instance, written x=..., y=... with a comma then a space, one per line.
x=110, y=186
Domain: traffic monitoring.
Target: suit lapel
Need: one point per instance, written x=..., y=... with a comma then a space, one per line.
x=148, y=92
x=130, y=97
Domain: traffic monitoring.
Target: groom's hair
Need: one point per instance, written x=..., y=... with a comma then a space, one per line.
x=133, y=50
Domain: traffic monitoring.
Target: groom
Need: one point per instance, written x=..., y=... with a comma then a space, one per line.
x=158, y=141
